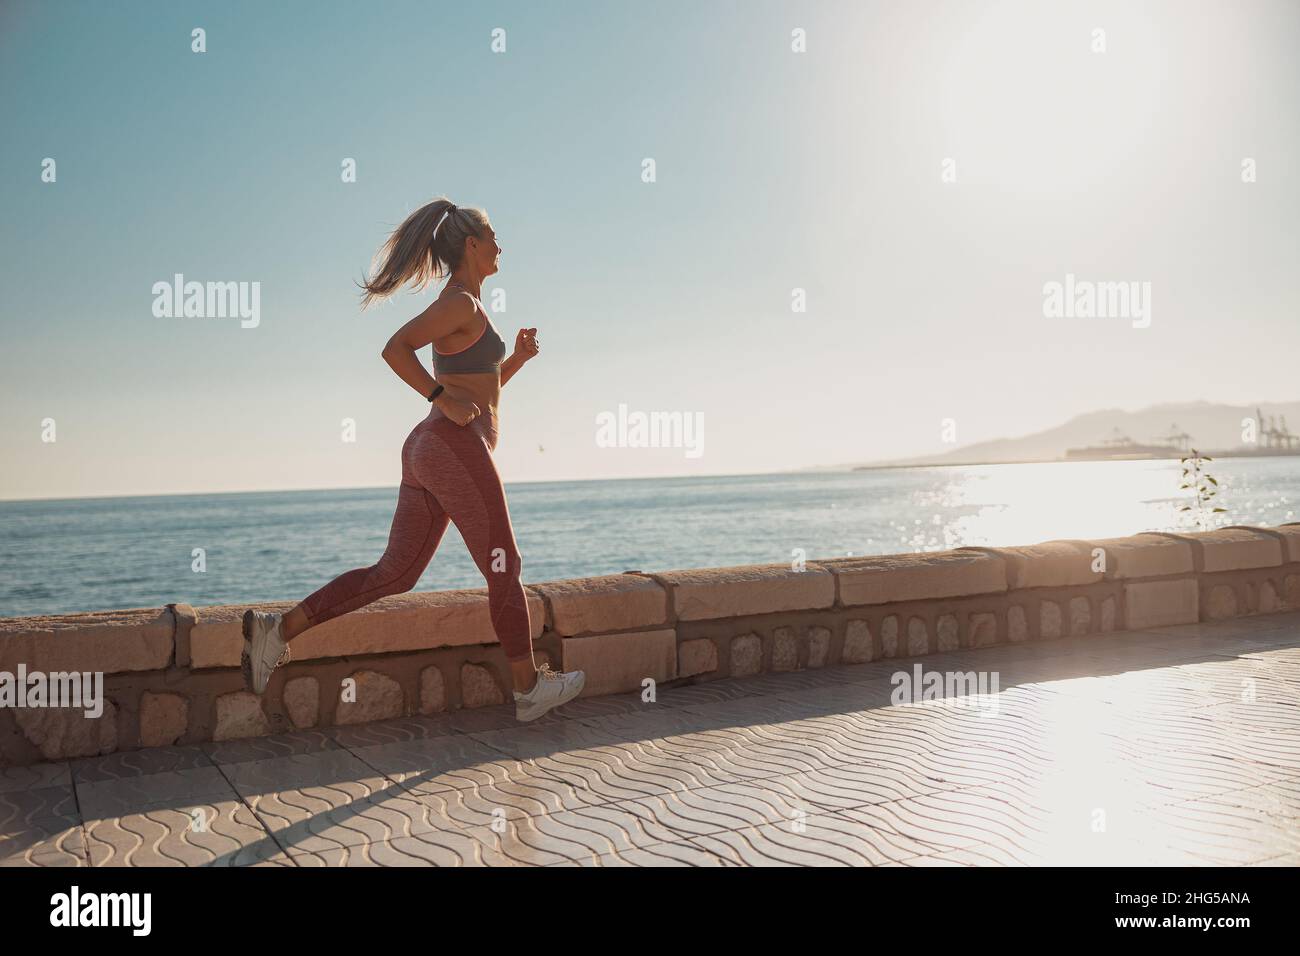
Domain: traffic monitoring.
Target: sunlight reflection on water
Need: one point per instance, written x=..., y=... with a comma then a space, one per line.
x=1000, y=505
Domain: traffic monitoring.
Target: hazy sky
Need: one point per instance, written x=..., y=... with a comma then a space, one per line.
x=775, y=170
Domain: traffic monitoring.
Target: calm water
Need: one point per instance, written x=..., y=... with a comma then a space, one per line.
x=97, y=554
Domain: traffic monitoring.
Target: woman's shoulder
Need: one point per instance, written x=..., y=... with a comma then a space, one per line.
x=457, y=300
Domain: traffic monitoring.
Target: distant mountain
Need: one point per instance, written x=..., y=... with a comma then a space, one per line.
x=1211, y=427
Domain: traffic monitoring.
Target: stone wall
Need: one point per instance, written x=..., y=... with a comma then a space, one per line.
x=171, y=675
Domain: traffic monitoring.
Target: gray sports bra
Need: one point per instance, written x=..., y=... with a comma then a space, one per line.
x=484, y=354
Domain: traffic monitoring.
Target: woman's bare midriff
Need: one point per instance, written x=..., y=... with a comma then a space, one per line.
x=481, y=388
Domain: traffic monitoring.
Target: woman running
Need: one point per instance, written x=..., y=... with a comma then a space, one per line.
x=447, y=469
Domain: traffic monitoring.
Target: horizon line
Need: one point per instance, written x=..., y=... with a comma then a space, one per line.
x=521, y=481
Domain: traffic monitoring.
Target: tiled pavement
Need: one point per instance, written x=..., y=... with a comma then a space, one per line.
x=1175, y=746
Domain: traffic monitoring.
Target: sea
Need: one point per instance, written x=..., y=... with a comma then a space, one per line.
x=94, y=554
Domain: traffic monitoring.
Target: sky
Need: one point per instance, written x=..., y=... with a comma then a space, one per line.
x=919, y=170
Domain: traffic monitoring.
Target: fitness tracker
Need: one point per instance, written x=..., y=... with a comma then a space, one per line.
x=435, y=393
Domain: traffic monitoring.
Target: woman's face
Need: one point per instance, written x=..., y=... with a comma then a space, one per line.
x=486, y=252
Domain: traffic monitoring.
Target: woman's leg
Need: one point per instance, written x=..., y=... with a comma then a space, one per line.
x=418, y=526
x=454, y=463
x=457, y=481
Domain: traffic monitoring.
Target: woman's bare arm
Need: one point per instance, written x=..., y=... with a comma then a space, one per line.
x=525, y=348
x=511, y=365
x=439, y=320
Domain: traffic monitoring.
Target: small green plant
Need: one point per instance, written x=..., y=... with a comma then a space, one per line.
x=1203, y=484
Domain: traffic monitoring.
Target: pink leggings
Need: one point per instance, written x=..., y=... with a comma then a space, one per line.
x=447, y=474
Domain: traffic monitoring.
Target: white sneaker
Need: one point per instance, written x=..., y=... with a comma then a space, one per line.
x=550, y=691
x=264, y=649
